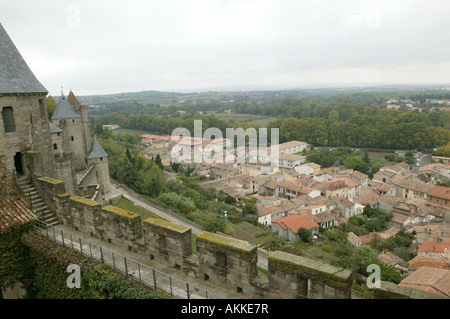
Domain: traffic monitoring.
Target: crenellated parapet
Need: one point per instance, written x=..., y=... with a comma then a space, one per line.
x=222, y=261
x=292, y=276
x=167, y=242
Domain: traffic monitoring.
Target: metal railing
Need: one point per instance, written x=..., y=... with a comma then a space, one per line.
x=156, y=279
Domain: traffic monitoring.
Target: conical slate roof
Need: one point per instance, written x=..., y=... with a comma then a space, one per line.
x=15, y=75
x=64, y=110
x=54, y=128
x=96, y=151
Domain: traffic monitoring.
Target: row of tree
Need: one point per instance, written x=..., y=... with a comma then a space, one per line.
x=373, y=128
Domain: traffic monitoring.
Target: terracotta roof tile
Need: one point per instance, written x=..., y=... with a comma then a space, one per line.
x=14, y=212
x=440, y=191
x=295, y=222
x=434, y=247
x=429, y=279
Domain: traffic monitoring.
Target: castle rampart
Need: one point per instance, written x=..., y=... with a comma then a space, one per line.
x=222, y=261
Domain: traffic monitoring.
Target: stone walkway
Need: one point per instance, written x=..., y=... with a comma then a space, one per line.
x=141, y=268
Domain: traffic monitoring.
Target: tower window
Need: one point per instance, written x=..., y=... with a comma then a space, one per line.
x=8, y=119
x=71, y=138
x=55, y=146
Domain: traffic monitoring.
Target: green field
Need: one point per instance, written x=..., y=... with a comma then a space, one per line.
x=129, y=131
x=248, y=118
x=377, y=157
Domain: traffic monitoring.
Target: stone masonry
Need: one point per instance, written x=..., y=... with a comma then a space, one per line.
x=223, y=261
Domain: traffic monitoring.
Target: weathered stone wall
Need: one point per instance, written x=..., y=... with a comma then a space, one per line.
x=292, y=276
x=167, y=242
x=31, y=133
x=73, y=140
x=389, y=290
x=121, y=227
x=227, y=262
x=86, y=216
x=65, y=171
x=49, y=188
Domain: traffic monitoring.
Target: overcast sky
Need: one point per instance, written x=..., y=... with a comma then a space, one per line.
x=101, y=47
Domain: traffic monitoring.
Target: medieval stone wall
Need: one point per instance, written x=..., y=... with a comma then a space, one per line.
x=31, y=133
x=225, y=262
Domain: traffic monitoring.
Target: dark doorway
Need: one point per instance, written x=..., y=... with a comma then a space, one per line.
x=18, y=164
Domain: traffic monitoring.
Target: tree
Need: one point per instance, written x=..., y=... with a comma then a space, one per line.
x=366, y=158
x=356, y=163
x=403, y=238
x=51, y=106
x=215, y=225
x=158, y=161
x=275, y=243
x=305, y=235
x=443, y=150
x=175, y=166
x=129, y=175
x=249, y=208
x=338, y=236
x=151, y=182
x=129, y=156
x=98, y=130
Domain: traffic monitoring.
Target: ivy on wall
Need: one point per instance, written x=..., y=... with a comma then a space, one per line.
x=12, y=255
x=41, y=266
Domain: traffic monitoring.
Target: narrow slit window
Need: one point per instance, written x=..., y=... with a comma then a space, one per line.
x=42, y=108
x=8, y=119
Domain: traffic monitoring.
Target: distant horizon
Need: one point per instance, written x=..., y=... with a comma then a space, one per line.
x=250, y=88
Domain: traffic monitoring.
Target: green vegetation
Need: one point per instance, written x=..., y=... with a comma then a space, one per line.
x=352, y=120
x=372, y=219
x=443, y=150
x=43, y=271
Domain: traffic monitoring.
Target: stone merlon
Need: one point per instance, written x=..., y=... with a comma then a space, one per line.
x=311, y=269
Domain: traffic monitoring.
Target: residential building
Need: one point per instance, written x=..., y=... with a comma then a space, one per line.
x=288, y=227
x=437, y=172
x=407, y=187
x=347, y=208
x=308, y=169
x=439, y=195
x=353, y=239
x=433, y=280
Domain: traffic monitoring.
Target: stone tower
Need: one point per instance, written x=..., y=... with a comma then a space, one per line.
x=81, y=109
x=64, y=169
x=70, y=122
x=25, y=137
x=98, y=157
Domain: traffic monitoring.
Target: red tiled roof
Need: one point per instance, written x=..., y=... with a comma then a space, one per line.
x=71, y=98
x=295, y=222
x=14, y=212
x=440, y=191
x=431, y=246
x=270, y=197
x=433, y=280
